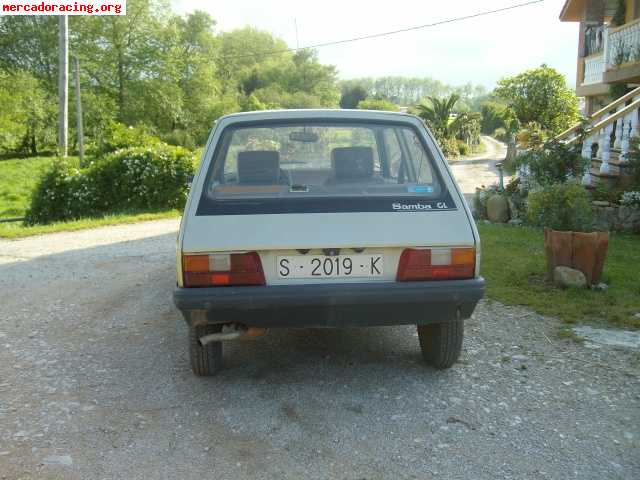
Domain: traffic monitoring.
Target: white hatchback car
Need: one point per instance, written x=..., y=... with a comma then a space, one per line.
x=325, y=218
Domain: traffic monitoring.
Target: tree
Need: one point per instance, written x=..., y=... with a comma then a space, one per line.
x=27, y=116
x=540, y=95
x=438, y=113
x=30, y=44
x=352, y=95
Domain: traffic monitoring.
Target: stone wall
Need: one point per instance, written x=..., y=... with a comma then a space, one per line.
x=616, y=217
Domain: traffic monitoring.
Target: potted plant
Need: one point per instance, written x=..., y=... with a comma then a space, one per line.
x=564, y=210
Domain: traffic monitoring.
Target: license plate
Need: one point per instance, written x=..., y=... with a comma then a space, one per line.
x=337, y=266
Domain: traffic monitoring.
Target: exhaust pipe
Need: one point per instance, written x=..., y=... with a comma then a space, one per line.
x=233, y=331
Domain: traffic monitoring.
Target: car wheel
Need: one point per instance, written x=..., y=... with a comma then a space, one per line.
x=205, y=360
x=441, y=343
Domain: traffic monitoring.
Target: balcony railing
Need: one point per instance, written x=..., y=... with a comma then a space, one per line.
x=593, y=69
x=620, y=45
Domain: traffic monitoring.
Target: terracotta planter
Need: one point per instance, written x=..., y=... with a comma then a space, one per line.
x=583, y=251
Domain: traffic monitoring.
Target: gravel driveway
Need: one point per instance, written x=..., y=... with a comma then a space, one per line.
x=95, y=384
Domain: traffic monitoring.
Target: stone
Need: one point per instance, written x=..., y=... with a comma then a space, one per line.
x=601, y=286
x=515, y=221
x=566, y=277
x=600, y=203
x=498, y=209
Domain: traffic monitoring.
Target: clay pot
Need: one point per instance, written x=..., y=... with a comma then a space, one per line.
x=583, y=251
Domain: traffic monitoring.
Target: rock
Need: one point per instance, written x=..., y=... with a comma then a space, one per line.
x=520, y=358
x=600, y=203
x=601, y=286
x=515, y=221
x=566, y=277
x=498, y=209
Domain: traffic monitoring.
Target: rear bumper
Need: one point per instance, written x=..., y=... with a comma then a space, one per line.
x=331, y=305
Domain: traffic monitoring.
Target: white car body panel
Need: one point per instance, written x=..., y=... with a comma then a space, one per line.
x=277, y=234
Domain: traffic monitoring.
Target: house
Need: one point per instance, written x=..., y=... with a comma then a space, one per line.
x=608, y=47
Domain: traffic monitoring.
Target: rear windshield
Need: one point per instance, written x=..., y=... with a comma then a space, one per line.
x=309, y=162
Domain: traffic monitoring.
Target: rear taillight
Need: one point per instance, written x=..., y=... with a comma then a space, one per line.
x=436, y=264
x=225, y=269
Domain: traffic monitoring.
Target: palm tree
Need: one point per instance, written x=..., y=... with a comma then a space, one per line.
x=437, y=114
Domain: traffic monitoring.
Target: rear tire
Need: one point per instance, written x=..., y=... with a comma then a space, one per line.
x=205, y=360
x=441, y=343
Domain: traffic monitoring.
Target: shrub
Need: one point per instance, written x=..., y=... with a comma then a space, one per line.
x=118, y=136
x=561, y=207
x=449, y=147
x=128, y=180
x=553, y=163
x=463, y=148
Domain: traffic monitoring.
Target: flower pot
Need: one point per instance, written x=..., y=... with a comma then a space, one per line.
x=583, y=251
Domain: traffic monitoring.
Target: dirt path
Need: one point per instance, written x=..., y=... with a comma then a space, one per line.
x=95, y=384
x=476, y=171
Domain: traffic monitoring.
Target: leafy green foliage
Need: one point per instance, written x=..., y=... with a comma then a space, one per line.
x=27, y=115
x=563, y=206
x=117, y=136
x=134, y=179
x=374, y=104
x=439, y=116
x=553, y=163
x=540, y=95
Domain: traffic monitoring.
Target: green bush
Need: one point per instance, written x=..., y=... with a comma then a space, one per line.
x=134, y=179
x=561, y=207
x=449, y=147
x=463, y=148
x=553, y=163
x=118, y=136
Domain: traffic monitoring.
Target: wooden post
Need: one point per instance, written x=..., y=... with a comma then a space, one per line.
x=63, y=84
x=76, y=74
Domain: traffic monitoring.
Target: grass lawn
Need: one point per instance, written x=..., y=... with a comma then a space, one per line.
x=513, y=263
x=18, y=178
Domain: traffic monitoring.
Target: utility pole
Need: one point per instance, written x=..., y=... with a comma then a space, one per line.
x=76, y=74
x=63, y=84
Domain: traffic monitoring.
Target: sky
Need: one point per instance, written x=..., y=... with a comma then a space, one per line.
x=480, y=50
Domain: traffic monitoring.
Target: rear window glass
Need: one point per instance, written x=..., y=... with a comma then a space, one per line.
x=322, y=161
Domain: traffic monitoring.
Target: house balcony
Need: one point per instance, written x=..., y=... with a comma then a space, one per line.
x=615, y=59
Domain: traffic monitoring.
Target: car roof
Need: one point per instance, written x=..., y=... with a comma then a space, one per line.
x=318, y=114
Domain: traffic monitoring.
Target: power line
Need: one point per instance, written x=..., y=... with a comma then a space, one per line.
x=383, y=34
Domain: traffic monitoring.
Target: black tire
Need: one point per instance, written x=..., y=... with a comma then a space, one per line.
x=441, y=343
x=205, y=360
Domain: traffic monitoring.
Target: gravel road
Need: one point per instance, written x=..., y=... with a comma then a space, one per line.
x=95, y=384
x=474, y=171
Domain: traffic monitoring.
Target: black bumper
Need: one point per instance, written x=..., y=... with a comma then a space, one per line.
x=331, y=305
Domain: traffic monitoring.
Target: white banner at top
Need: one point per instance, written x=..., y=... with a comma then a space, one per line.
x=63, y=7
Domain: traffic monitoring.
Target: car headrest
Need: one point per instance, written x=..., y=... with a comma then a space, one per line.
x=260, y=167
x=352, y=162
